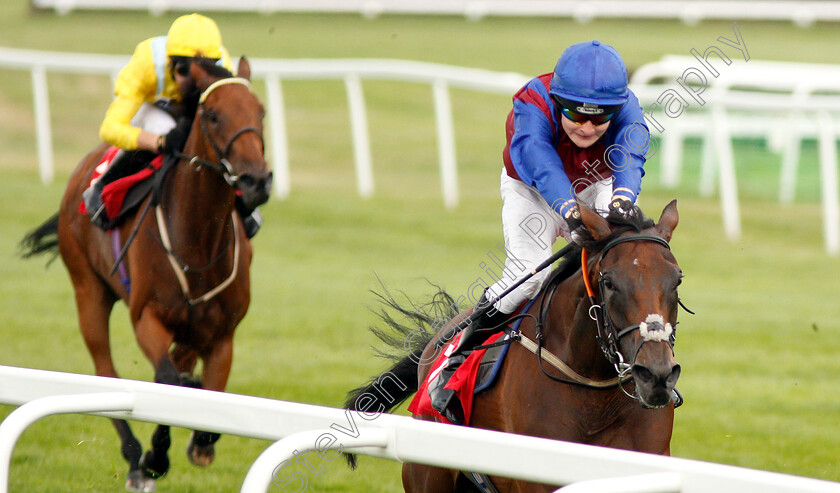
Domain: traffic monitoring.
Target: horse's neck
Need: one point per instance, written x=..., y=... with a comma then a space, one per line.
x=570, y=332
x=198, y=206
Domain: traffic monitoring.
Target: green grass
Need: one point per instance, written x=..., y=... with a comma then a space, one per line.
x=759, y=357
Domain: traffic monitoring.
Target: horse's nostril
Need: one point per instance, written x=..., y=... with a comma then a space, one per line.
x=643, y=374
x=674, y=376
x=247, y=181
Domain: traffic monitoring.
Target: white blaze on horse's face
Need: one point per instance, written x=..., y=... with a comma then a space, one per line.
x=655, y=329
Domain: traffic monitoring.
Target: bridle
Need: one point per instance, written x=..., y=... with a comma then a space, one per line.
x=222, y=165
x=608, y=336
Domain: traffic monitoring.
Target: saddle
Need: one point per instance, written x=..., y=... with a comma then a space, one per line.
x=476, y=374
x=119, y=186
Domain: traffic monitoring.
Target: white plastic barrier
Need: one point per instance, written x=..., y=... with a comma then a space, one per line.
x=300, y=427
x=351, y=71
x=802, y=13
x=782, y=102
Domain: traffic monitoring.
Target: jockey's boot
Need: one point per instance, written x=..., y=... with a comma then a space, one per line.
x=123, y=164
x=92, y=197
x=444, y=400
x=251, y=218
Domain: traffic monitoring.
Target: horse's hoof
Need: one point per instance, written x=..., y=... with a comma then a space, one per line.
x=138, y=482
x=200, y=455
x=154, y=467
x=190, y=380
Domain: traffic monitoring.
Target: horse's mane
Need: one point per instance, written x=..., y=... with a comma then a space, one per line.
x=424, y=319
x=570, y=262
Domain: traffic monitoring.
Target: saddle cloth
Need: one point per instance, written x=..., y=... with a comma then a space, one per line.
x=122, y=194
x=476, y=373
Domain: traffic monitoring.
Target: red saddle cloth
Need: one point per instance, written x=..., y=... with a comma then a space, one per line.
x=113, y=194
x=462, y=381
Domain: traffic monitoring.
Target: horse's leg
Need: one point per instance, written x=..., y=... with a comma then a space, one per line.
x=201, y=449
x=94, y=304
x=185, y=360
x=155, y=340
x=420, y=478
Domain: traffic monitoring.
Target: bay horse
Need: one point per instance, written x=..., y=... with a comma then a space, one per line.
x=600, y=369
x=188, y=264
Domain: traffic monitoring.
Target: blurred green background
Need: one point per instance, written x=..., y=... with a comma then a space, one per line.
x=759, y=357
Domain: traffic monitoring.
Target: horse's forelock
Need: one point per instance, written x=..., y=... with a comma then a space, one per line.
x=213, y=70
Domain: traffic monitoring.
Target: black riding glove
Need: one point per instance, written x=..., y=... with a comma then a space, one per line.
x=622, y=208
x=174, y=141
x=577, y=230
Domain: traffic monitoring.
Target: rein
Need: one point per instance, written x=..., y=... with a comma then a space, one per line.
x=180, y=269
x=223, y=166
x=607, y=336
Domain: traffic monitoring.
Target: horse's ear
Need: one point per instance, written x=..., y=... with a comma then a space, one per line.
x=668, y=220
x=244, y=69
x=199, y=75
x=597, y=225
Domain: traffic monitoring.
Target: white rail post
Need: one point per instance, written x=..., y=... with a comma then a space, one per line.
x=828, y=183
x=728, y=183
x=43, y=133
x=278, y=138
x=793, y=143
x=446, y=143
x=361, y=138
x=261, y=474
x=707, y=162
x=672, y=153
x=16, y=422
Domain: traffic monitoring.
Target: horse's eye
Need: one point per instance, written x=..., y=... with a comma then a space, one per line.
x=679, y=281
x=608, y=283
x=212, y=117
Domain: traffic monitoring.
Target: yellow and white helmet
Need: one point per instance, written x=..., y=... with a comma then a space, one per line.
x=194, y=35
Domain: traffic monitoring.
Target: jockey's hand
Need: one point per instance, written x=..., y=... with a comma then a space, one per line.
x=577, y=230
x=623, y=208
x=174, y=141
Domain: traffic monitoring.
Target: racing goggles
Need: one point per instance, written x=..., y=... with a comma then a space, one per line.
x=580, y=113
x=181, y=65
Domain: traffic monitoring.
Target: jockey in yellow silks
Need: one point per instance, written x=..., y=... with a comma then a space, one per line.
x=140, y=118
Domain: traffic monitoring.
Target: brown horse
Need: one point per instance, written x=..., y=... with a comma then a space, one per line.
x=616, y=297
x=188, y=264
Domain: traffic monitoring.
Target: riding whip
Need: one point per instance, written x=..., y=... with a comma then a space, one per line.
x=479, y=310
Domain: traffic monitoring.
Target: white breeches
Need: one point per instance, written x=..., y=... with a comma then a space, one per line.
x=530, y=228
x=153, y=119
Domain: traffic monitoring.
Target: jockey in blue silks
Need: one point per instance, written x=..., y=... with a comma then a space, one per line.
x=577, y=134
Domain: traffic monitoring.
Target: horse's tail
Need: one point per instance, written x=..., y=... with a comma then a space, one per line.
x=42, y=239
x=386, y=391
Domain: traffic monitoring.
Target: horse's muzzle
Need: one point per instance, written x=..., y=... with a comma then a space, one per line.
x=255, y=189
x=654, y=385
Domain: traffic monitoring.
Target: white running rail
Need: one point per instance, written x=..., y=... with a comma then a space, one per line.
x=302, y=427
x=802, y=13
x=781, y=102
x=272, y=71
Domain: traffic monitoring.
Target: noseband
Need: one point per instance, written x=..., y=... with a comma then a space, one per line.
x=222, y=165
x=608, y=336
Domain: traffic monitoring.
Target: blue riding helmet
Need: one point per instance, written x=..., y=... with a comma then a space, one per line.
x=590, y=72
